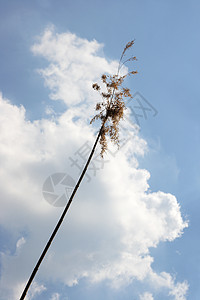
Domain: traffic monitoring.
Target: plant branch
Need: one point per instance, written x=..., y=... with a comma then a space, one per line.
x=62, y=216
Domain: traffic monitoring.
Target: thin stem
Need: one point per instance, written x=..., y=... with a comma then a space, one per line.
x=62, y=217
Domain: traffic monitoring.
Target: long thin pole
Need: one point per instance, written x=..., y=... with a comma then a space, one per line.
x=61, y=218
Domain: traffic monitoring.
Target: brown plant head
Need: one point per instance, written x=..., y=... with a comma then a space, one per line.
x=111, y=110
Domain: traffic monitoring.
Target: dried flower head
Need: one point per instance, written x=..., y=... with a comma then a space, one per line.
x=111, y=109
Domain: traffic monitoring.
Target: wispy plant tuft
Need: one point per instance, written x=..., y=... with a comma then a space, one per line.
x=111, y=110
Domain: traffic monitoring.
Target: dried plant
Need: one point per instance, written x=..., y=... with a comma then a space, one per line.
x=111, y=110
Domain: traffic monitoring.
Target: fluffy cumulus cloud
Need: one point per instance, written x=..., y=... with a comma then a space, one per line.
x=74, y=63
x=114, y=219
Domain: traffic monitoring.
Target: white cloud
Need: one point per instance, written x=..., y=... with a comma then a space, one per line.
x=35, y=289
x=74, y=65
x=179, y=291
x=146, y=296
x=114, y=219
x=20, y=243
x=166, y=281
x=55, y=296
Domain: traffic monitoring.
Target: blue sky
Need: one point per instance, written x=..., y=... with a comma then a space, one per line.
x=38, y=139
